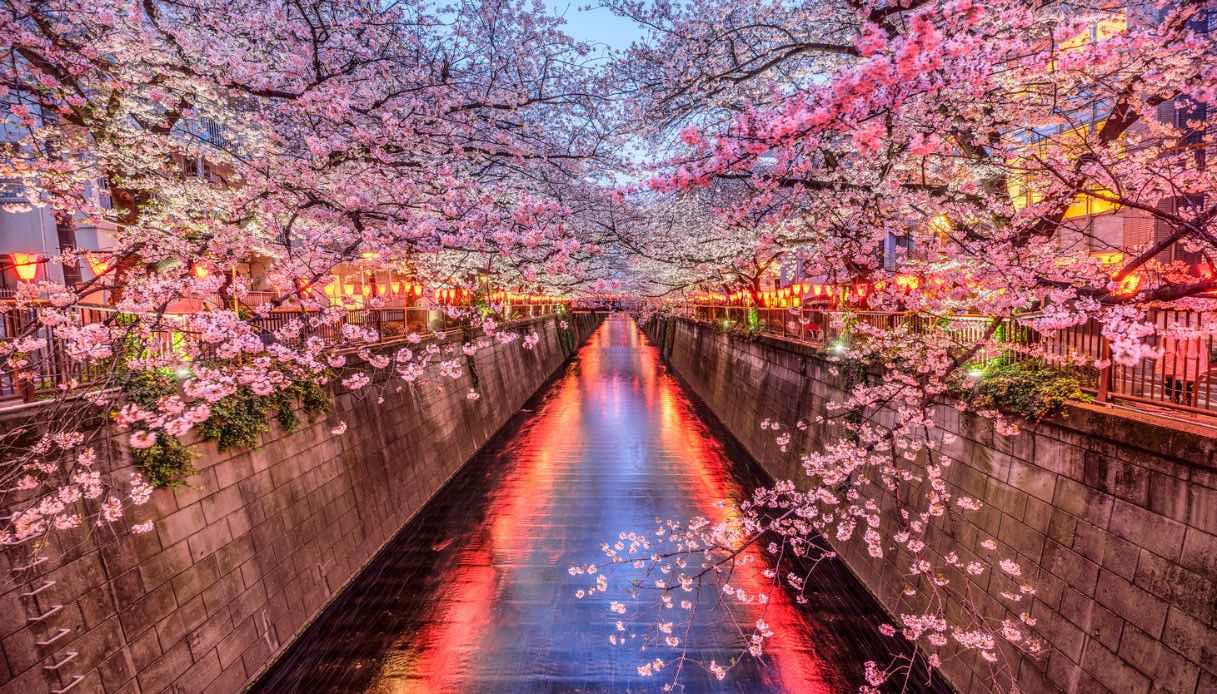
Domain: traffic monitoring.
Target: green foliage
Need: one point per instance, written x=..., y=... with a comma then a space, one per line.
x=166, y=463
x=237, y=419
x=146, y=388
x=1031, y=389
x=754, y=320
x=314, y=399
x=281, y=403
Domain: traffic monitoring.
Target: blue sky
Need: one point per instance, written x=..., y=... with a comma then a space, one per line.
x=597, y=25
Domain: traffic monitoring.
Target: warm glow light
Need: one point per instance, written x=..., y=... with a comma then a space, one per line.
x=26, y=266
x=98, y=263
x=201, y=272
x=1129, y=284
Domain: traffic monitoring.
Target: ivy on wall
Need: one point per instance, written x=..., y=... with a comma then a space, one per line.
x=235, y=421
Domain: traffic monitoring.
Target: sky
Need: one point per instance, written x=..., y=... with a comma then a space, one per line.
x=597, y=26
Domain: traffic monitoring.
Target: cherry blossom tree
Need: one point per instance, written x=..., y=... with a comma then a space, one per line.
x=998, y=141
x=428, y=140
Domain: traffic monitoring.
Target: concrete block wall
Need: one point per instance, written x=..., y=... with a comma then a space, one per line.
x=255, y=545
x=1113, y=516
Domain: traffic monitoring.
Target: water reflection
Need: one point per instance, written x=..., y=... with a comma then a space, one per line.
x=474, y=595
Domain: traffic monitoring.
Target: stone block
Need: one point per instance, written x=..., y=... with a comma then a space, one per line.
x=1083, y=502
x=1091, y=618
x=166, y=669
x=1076, y=570
x=1202, y=508
x=1168, y=671
x=1147, y=529
x=1131, y=603
x=1191, y=638
x=180, y=525
x=1032, y=479
x=181, y=622
x=1114, y=674
x=1058, y=456
x=221, y=503
x=199, y=675
x=1199, y=553
x=1168, y=496
x=209, y=539
x=232, y=679
x=194, y=580
x=164, y=566
x=204, y=638
x=1113, y=476
x=148, y=610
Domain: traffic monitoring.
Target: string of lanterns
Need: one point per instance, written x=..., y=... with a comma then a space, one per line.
x=796, y=294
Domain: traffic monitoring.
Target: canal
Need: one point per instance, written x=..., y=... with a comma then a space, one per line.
x=473, y=595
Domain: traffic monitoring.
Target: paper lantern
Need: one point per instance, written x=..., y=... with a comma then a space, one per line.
x=26, y=266
x=1129, y=284
x=98, y=263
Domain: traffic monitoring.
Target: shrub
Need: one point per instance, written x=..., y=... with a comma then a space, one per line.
x=1031, y=389
x=146, y=388
x=237, y=419
x=166, y=463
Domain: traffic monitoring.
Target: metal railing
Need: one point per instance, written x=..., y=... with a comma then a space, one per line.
x=49, y=367
x=1184, y=377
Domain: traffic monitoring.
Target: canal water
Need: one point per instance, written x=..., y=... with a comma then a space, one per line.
x=474, y=594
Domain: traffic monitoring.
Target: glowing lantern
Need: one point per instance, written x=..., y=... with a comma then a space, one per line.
x=418, y=289
x=99, y=264
x=201, y=272
x=818, y=289
x=365, y=290
x=349, y=288
x=26, y=265
x=1129, y=284
x=395, y=286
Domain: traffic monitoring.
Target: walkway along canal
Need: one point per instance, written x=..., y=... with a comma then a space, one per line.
x=474, y=594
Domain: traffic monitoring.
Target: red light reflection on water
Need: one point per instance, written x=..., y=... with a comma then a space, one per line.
x=438, y=659
x=618, y=382
x=681, y=433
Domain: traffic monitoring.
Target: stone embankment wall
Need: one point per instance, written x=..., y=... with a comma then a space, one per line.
x=256, y=544
x=1114, y=516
